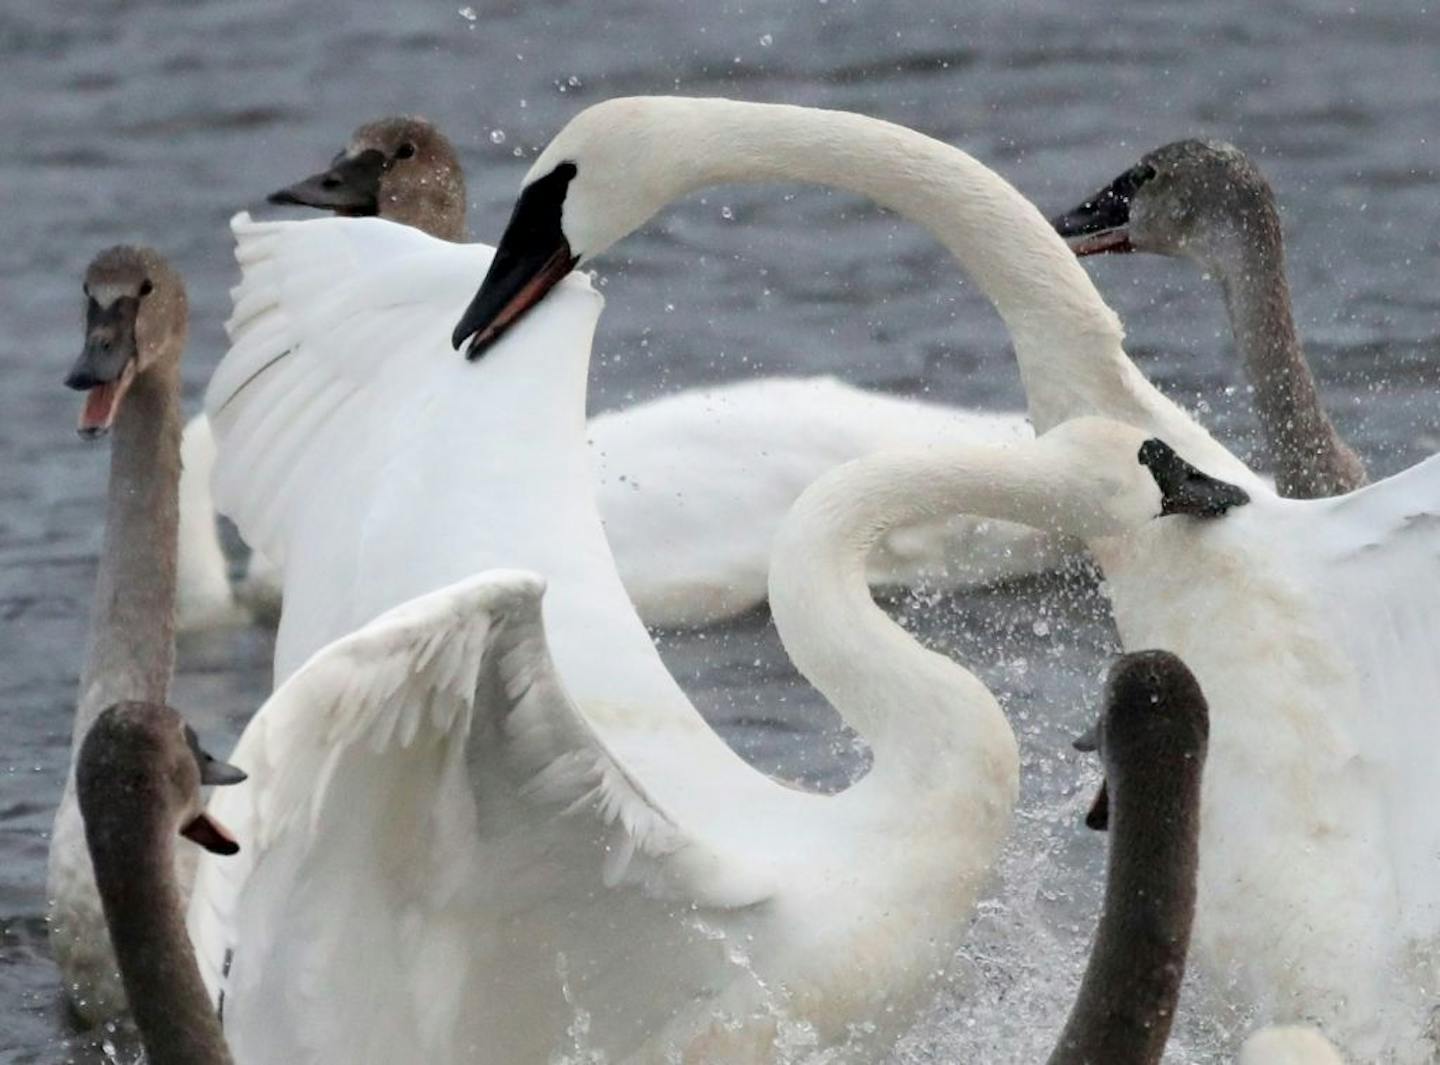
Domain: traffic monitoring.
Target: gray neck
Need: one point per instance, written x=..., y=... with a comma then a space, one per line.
x=1309, y=458
x=131, y=652
x=133, y=855
x=1127, y=1001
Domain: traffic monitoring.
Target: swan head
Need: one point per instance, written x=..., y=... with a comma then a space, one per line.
x=1197, y=199
x=400, y=168
x=1154, y=727
x=599, y=180
x=1114, y=478
x=141, y=764
x=136, y=314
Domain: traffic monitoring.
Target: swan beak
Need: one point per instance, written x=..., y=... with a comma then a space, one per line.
x=1088, y=742
x=215, y=773
x=1099, y=816
x=518, y=279
x=1183, y=488
x=351, y=187
x=532, y=257
x=106, y=366
x=1102, y=223
x=210, y=834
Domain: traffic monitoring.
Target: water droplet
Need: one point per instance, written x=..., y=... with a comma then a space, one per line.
x=727, y=212
x=497, y=136
x=468, y=14
x=766, y=40
x=518, y=152
x=573, y=81
x=1041, y=627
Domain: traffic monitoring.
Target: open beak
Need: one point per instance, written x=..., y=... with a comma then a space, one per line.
x=532, y=258
x=351, y=187
x=106, y=366
x=1101, y=223
x=519, y=278
x=211, y=835
x=1183, y=488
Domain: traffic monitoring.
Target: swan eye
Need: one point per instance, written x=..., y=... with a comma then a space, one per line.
x=1141, y=173
x=146, y=287
x=405, y=151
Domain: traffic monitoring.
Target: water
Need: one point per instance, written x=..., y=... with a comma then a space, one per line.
x=128, y=120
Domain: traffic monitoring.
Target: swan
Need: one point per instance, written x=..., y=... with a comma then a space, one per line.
x=1288, y=1046
x=1309, y=630
x=451, y=853
x=692, y=486
x=1151, y=734
x=135, y=326
x=1207, y=201
x=139, y=774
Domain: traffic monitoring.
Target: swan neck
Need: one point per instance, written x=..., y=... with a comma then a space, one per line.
x=131, y=652
x=1309, y=457
x=1066, y=338
x=1131, y=986
x=914, y=707
x=133, y=854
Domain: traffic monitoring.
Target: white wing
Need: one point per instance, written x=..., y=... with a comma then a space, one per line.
x=1376, y=568
x=359, y=908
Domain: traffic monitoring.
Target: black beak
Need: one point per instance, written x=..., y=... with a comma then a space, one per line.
x=211, y=835
x=350, y=187
x=1101, y=223
x=109, y=345
x=532, y=258
x=1183, y=488
x=106, y=365
x=1098, y=817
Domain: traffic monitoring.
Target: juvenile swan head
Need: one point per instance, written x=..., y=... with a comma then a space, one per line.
x=1196, y=199
x=401, y=169
x=136, y=315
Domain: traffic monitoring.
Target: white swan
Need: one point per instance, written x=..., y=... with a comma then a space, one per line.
x=1309, y=629
x=451, y=858
x=692, y=486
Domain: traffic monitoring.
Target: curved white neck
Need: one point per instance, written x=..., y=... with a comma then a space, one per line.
x=916, y=708
x=1067, y=340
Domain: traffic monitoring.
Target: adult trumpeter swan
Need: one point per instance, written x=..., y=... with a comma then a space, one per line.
x=691, y=486
x=135, y=325
x=1151, y=735
x=1319, y=888
x=452, y=858
x=138, y=777
x=1208, y=202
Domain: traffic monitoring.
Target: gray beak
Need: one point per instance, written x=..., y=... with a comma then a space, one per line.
x=350, y=187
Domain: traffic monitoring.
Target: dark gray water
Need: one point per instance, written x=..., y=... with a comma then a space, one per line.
x=154, y=121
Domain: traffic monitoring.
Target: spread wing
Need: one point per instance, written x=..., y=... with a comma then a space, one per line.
x=412, y=787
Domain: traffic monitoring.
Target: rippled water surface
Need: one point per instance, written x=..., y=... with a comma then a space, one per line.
x=154, y=121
